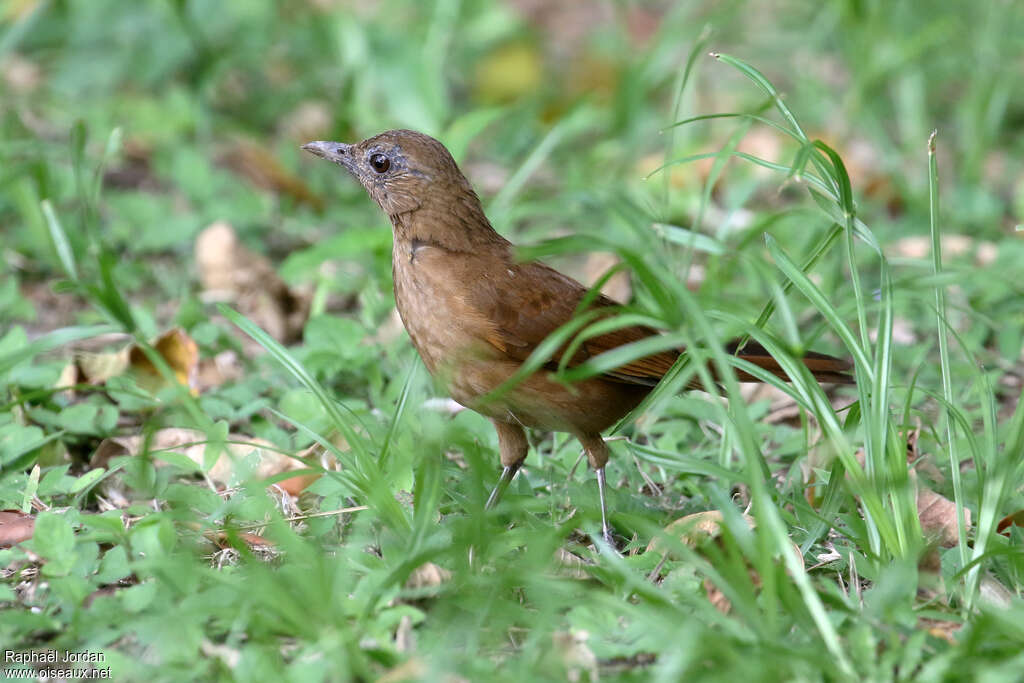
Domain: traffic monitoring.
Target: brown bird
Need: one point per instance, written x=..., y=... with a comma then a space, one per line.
x=475, y=313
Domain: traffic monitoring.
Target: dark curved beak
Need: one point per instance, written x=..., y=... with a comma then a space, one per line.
x=338, y=152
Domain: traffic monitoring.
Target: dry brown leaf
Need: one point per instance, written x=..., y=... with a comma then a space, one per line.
x=192, y=444
x=15, y=527
x=412, y=669
x=762, y=143
x=903, y=333
x=716, y=596
x=229, y=271
x=178, y=350
x=405, y=637
x=693, y=529
x=618, y=287
x=97, y=368
x=428, y=575
x=256, y=163
x=68, y=378
x=222, y=368
x=944, y=629
x=575, y=654
x=316, y=452
x=1013, y=519
x=222, y=539
x=919, y=247
x=938, y=515
x=993, y=592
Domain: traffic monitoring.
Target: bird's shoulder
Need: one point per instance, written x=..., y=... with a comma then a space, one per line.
x=526, y=302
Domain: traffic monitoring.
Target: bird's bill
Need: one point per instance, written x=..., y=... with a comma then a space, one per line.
x=338, y=152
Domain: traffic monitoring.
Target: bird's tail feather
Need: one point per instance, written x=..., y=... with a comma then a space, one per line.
x=825, y=368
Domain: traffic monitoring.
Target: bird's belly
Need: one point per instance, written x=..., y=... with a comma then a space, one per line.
x=451, y=339
x=439, y=322
x=540, y=402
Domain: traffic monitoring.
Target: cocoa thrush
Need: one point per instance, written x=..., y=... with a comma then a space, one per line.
x=475, y=313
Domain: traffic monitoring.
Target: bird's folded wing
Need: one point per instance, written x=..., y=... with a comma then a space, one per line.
x=528, y=301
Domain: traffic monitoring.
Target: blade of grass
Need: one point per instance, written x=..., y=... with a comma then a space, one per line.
x=944, y=367
x=368, y=473
x=49, y=342
x=61, y=245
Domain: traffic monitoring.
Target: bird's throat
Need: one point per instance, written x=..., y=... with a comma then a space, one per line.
x=457, y=226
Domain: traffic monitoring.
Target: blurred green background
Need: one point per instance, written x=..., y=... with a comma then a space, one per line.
x=144, y=123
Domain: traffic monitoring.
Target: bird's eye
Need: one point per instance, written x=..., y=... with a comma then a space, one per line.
x=380, y=163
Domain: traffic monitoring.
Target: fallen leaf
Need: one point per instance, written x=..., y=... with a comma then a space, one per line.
x=618, y=287
x=405, y=637
x=944, y=629
x=1014, y=519
x=222, y=539
x=412, y=669
x=995, y=593
x=903, y=333
x=938, y=515
x=229, y=271
x=15, y=527
x=135, y=171
x=178, y=350
x=222, y=368
x=576, y=655
x=428, y=575
x=693, y=530
x=192, y=443
x=762, y=143
x=919, y=247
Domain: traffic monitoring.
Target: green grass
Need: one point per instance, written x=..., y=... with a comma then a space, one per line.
x=765, y=191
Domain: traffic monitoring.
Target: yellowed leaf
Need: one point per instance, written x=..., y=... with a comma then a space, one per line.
x=176, y=348
x=181, y=354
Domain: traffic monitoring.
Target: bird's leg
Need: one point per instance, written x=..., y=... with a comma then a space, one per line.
x=513, y=446
x=597, y=453
x=606, y=531
x=508, y=473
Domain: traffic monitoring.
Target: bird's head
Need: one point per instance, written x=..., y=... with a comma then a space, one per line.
x=400, y=169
